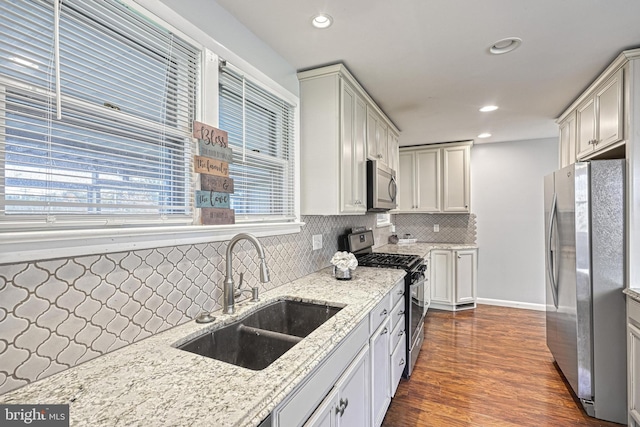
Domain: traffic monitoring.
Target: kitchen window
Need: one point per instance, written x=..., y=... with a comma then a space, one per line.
x=121, y=152
x=119, y=160
x=261, y=134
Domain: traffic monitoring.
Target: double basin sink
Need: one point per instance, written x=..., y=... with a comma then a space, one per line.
x=260, y=338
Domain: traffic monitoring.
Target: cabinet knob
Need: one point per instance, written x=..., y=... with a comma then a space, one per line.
x=384, y=331
x=384, y=312
x=401, y=333
x=379, y=156
x=401, y=313
x=401, y=292
x=401, y=362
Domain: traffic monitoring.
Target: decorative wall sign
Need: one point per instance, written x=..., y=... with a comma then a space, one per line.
x=210, y=135
x=211, y=166
x=216, y=216
x=216, y=183
x=212, y=199
x=215, y=151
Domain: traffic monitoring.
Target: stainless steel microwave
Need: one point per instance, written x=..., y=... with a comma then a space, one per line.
x=381, y=187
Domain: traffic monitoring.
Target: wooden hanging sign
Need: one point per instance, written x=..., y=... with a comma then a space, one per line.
x=216, y=183
x=215, y=151
x=212, y=199
x=211, y=166
x=216, y=216
x=210, y=135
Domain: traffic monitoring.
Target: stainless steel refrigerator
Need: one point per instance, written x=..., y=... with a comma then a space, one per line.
x=585, y=274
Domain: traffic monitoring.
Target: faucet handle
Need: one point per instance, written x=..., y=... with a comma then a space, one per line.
x=240, y=282
x=254, y=294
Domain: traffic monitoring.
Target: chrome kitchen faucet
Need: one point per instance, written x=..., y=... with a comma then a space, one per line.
x=229, y=292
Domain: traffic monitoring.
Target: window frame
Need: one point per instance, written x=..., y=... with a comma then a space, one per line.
x=23, y=246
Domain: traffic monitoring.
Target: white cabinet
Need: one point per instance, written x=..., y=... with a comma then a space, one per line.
x=456, y=178
x=354, y=384
x=599, y=118
x=453, y=278
x=568, y=140
x=333, y=144
x=304, y=401
x=348, y=402
x=337, y=118
x=377, y=143
x=392, y=149
x=381, y=372
x=435, y=179
x=633, y=361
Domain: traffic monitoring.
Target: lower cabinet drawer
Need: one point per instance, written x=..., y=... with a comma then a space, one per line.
x=398, y=362
x=398, y=333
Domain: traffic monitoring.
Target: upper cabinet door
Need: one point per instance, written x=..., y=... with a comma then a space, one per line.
x=586, y=125
x=568, y=140
x=427, y=181
x=456, y=179
x=609, y=103
x=406, y=182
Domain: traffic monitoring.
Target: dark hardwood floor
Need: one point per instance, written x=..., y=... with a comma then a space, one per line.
x=486, y=367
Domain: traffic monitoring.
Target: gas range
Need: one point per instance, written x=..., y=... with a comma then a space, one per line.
x=384, y=260
x=360, y=243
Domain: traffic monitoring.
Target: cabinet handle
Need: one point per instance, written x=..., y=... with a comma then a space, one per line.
x=401, y=362
x=342, y=406
x=384, y=312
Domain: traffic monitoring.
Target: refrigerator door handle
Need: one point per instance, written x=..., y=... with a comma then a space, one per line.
x=550, y=253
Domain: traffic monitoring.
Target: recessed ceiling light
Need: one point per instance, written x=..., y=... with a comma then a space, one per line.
x=505, y=45
x=484, y=135
x=321, y=21
x=488, y=108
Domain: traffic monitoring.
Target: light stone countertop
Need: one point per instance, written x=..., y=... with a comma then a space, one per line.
x=151, y=383
x=633, y=293
x=420, y=248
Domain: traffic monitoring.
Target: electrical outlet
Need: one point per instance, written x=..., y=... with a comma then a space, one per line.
x=436, y=228
x=316, y=241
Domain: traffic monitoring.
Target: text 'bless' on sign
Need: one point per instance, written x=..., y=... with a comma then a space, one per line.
x=211, y=135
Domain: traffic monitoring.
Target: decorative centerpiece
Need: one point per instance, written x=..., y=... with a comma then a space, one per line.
x=343, y=264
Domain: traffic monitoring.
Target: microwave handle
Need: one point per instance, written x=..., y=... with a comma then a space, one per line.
x=393, y=188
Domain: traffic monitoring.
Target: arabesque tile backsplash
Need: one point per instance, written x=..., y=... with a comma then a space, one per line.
x=56, y=314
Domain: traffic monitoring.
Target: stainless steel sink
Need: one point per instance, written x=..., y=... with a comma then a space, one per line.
x=256, y=341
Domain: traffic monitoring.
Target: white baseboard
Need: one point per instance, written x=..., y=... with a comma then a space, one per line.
x=512, y=304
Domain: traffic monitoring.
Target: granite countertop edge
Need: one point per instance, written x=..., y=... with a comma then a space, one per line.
x=633, y=293
x=153, y=383
x=422, y=248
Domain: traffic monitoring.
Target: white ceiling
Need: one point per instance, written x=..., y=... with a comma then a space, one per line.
x=426, y=62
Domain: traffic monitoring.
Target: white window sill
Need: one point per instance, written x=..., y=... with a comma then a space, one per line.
x=41, y=245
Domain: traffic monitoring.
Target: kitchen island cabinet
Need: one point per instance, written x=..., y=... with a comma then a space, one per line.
x=633, y=356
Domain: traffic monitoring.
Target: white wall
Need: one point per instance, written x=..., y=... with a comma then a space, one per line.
x=225, y=29
x=507, y=197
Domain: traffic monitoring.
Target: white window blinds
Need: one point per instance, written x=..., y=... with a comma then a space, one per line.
x=261, y=134
x=121, y=152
